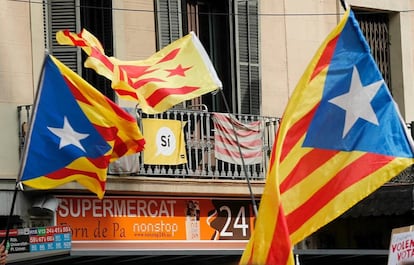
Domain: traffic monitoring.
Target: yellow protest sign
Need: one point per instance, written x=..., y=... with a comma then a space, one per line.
x=165, y=143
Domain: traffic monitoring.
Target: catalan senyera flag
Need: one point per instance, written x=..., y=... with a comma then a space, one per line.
x=165, y=143
x=179, y=72
x=341, y=137
x=75, y=132
x=231, y=134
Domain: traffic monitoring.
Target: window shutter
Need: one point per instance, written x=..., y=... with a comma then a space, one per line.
x=248, y=74
x=96, y=17
x=61, y=15
x=375, y=27
x=169, y=21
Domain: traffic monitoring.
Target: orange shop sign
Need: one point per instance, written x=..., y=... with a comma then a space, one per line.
x=155, y=218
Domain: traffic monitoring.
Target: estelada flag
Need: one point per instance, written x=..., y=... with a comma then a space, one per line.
x=165, y=144
x=75, y=131
x=341, y=137
x=181, y=71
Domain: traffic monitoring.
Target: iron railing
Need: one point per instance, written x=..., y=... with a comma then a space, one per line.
x=199, y=138
x=199, y=144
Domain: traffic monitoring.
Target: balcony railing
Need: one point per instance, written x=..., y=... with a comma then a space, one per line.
x=199, y=144
x=199, y=139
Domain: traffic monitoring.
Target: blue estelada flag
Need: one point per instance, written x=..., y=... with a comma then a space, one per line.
x=75, y=132
x=341, y=137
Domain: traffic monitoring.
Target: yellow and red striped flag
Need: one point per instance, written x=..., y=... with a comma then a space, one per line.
x=341, y=137
x=230, y=133
x=181, y=71
x=75, y=133
x=269, y=243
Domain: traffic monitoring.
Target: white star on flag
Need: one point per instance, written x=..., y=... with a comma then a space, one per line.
x=68, y=135
x=356, y=102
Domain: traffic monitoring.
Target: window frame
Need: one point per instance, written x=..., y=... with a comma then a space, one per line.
x=170, y=26
x=67, y=15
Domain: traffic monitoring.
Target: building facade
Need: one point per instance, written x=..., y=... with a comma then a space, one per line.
x=259, y=49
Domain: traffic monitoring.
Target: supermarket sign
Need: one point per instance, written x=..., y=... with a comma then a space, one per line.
x=38, y=239
x=156, y=218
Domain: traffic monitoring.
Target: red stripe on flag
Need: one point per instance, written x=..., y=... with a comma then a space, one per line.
x=235, y=154
x=108, y=133
x=135, y=71
x=100, y=162
x=326, y=57
x=102, y=58
x=143, y=82
x=119, y=111
x=241, y=132
x=124, y=92
x=161, y=93
x=67, y=172
x=80, y=43
x=296, y=132
x=301, y=127
x=314, y=159
x=120, y=148
x=170, y=56
x=226, y=118
x=280, y=249
x=350, y=175
x=75, y=91
x=80, y=97
x=257, y=141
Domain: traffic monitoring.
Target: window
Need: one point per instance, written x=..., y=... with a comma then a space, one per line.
x=229, y=31
x=375, y=27
x=96, y=17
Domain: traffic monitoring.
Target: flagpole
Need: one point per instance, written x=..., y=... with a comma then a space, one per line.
x=241, y=156
x=344, y=5
x=8, y=225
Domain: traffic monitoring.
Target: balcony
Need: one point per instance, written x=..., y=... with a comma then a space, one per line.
x=199, y=144
x=202, y=163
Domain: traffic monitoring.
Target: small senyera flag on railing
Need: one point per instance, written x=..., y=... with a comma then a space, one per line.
x=75, y=132
x=230, y=134
x=180, y=71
